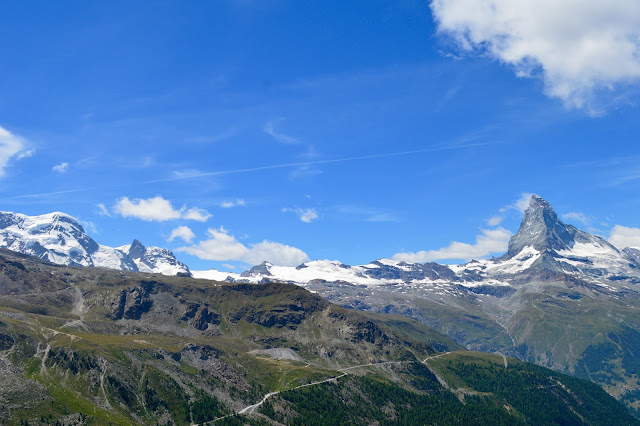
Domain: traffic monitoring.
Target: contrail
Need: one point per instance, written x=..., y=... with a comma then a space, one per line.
x=269, y=167
x=48, y=193
x=311, y=163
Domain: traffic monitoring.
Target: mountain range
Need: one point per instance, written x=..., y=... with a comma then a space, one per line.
x=559, y=297
x=60, y=238
x=85, y=346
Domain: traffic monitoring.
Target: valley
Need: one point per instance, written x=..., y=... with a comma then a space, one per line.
x=100, y=346
x=560, y=298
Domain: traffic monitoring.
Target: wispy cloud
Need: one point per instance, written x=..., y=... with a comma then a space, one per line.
x=305, y=171
x=305, y=215
x=582, y=51
x=223, y=246
x=238, y=202
x=89, y=226
x=61, y=168
x=26, y=154
x=102, y=210
x=520, y=205
x=576, y=216
x=490, y=241
x=368, y=214
x=280, y=137
x=183, y=232
x=157, y=209
x=495, y=220
x=11, y=146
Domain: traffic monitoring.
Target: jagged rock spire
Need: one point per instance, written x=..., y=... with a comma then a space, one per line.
x=541, y=229
x=137, y=250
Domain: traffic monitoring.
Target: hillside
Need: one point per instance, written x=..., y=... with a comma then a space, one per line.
x=559, y=297
x=96, y=346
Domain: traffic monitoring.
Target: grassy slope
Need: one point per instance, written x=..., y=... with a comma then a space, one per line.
x=178, y=350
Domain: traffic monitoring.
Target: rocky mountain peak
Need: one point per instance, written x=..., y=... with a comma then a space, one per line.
x=137, y=250
x=261, y=269
x=541, y=229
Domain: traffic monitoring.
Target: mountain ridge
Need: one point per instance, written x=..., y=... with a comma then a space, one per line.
x=102, y=346
x=559, y=297
x=60, y=238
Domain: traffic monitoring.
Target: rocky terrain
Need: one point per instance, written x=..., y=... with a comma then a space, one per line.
x=102, y=346
x=559, y=297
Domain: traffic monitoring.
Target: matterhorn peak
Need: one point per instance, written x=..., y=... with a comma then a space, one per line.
x=541, y=229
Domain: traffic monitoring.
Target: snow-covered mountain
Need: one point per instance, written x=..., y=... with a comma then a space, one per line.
x=60, y=238
x=559, y=297
x=543, y=244
x=154, y=259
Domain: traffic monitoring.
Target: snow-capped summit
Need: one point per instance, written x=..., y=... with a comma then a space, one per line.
x=154, y=259
x=542, y=230
x=560, y=247
x=60, y=238
x=56, y=237
x=543, y=244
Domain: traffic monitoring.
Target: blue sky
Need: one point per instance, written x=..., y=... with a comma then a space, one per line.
x=238, y=131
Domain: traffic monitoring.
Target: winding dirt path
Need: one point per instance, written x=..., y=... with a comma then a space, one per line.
x=252, y=408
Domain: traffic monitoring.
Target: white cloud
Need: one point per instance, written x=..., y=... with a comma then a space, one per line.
x=102, y=210
x=523, y=202
x=157, y=209
x=89, y=226
x=11, y=146
x=152, y=209
x=222, y=246
x=581, y=49
x=183, y=232
x=495, y=220
x=576, y=216
x=61, y=168
x=26, y=154
x=304, y=172
x=622, y=236
x=280, y=137
x=194, y=213
x=490, y=241
x=305, y=215
x=520, y=205
x=238, y=202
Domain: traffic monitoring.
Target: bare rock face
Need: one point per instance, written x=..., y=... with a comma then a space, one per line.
x=131, y=303
x=633, y=252
x=205, y=318
x=541, y=229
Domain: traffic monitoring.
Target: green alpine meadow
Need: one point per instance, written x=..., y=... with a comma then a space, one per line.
x=97, y=346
